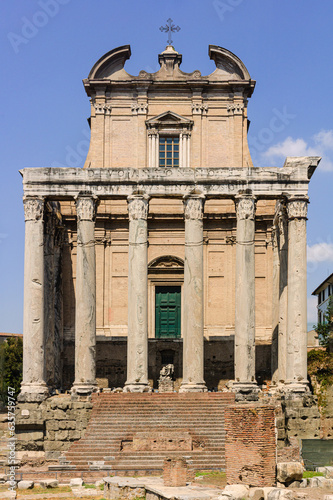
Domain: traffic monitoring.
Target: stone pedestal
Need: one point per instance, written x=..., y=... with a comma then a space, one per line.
x=85, y=312
x=33, y=388
x=296, y=365
x=245, y=384
x=193, y=341
x=137, y=340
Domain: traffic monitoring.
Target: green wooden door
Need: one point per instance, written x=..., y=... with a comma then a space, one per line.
x=167, y=311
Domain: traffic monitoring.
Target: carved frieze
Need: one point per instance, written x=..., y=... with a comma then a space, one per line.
x=235, y=108
x=139, y=109
x=194, y=207
x=102, y=109
x=33, y=208
x=138, y=207
x=86, y=208
x=297, y=209
x=245, y=207
x=199, y=109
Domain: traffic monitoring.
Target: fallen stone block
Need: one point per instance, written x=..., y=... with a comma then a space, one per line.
x=256, y=494
x=49, y=483
x=280, y=494
x=328, y=497
x=75, y=482
x=303, y=483
x=234, y=492
x=8, y=494
x=289, y=471
x=25, y=485
x=294, y=484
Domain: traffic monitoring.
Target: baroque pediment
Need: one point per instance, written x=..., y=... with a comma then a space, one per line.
x=169, y=119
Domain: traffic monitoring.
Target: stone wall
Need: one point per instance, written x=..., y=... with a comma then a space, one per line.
x=47, y=429
x=250, y=445
x=111, y=358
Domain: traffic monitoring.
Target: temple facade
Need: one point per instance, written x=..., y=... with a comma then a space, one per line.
x=169, y=246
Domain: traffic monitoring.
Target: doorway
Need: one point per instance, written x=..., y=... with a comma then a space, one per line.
x=167, y=312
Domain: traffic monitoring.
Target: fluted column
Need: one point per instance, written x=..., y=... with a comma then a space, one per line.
x=137, y=340
x=85, y=304
x=245, y=384
x=193, y=340
x=297, y=301
x=33, y=387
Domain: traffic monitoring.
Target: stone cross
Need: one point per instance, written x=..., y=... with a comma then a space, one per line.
x=169, y=28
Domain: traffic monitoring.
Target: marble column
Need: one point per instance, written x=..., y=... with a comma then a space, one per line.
x=58, y=306
x=137, y=339
x=85, y=304
x=33, y=387
x=49, y=235
x=193, y=339
x=283, y=293
x=296, y=366
x=245, y=384
x=275, y=303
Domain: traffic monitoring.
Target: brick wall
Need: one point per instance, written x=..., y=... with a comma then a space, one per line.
x=250, y=445
x=175, y=471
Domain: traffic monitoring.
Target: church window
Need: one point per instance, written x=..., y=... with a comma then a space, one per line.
x=169, y=151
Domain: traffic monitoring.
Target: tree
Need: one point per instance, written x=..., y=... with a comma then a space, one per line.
x=11, y=361
x=325, y=329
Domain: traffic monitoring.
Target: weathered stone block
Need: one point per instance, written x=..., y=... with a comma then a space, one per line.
x=49, y=483
x=25, y=485
x=52, y=425
x=61, y=435
x=289, y=471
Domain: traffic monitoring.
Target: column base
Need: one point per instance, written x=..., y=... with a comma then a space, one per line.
x=137, y=388
x=83, y=389
x=245, y=391
x=188, y=387
x=295, y=390
x=33, y=393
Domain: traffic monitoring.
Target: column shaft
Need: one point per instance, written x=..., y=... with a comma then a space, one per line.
x=283, y=295
x=245, y=383
x=49, y=299
x=193, y=339
x=137, y=340
x=58, y=307
x=297, y=300
x=275, y=304
x=33, y=386
x=85, y=304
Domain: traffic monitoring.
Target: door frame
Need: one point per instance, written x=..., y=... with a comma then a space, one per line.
x=180, y=323
x=152, y=284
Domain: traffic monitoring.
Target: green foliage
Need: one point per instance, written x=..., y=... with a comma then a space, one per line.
x=311, y=473
x=11, y=360
x=325, y=329
x=320, y=366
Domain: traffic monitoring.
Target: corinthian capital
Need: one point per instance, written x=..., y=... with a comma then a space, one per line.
x=138, y=207
x=194, y=207
x=245, y=207
x=33, y=208
x=86, y=207
x=297, y=208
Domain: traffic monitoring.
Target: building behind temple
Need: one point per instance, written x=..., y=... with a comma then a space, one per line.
x=169, y=246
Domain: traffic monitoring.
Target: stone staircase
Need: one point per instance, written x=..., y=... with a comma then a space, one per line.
x=129, y=432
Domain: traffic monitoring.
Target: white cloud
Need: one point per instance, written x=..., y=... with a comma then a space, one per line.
x=320, y=252
x=322, y=145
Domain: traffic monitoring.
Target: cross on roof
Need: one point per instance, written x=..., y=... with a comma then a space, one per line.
x=170, y=28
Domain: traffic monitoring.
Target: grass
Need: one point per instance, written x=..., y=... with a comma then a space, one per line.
x=311, y=473
x=212, y=478
x=211, y=473
x=40, y=491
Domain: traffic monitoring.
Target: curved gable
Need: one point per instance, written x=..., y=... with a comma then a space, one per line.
x=110, y=63
x=228, y=65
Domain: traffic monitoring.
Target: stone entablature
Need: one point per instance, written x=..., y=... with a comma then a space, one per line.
x=263, y=182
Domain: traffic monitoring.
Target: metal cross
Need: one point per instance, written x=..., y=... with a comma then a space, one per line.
x=169, y=28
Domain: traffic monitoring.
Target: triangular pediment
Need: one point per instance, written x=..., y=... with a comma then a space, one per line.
x=169, y=118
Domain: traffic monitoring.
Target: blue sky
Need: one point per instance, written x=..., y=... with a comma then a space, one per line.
x=49, y=46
